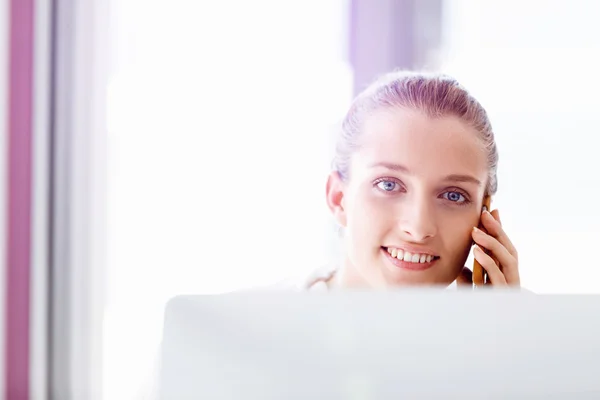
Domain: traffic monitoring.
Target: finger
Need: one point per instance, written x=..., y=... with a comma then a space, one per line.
x=512, y=274
x=493, y=245
x=465, y=278
x=506, y=262
x=494, y=274
x=496, y=214
x=494, y=228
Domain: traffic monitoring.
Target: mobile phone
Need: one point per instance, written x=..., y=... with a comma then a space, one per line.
x=480, y=277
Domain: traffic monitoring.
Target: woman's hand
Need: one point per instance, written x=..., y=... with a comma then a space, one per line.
x=501, y=265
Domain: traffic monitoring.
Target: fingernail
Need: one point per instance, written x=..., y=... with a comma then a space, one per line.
x=476, y=229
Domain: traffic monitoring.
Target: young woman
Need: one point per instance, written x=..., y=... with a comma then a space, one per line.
x=415, y=160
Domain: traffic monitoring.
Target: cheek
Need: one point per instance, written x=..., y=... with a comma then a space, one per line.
x=368, y=217
x=457, y=232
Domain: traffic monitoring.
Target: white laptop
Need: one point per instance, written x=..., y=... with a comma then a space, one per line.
x=381, y=345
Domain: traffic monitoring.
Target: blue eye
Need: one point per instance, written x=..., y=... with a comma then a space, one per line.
x=455, y=197
x=387, y=186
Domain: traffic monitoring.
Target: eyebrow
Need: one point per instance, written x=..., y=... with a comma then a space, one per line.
x=449, y=178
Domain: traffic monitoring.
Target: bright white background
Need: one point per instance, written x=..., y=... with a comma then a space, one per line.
x=219, y=119
x=219, y=123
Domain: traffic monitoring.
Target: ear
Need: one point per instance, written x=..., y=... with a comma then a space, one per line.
x=335, y=197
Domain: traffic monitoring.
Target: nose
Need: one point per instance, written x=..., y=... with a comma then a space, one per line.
x=418, y=220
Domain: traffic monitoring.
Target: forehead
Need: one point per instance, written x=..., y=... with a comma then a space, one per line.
x=425, y=145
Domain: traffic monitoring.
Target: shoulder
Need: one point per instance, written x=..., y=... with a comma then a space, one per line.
x=313, y=281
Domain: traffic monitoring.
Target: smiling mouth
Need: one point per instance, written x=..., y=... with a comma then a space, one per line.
x=415, y=258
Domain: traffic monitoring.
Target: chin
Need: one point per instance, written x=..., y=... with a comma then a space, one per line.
x=435, y=276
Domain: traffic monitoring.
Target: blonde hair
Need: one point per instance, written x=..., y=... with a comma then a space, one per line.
x=436, y=95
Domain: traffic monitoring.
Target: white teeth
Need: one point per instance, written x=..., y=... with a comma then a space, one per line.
x=409, y=257
x=400, y=255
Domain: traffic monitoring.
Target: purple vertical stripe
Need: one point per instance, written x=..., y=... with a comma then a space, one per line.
x=352, y=42
x=352, y=30
x=19, y=198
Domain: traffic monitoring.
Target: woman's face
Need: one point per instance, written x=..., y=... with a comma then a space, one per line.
x=413, y=195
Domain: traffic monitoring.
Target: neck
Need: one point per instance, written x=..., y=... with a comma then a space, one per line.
x=348, y=277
